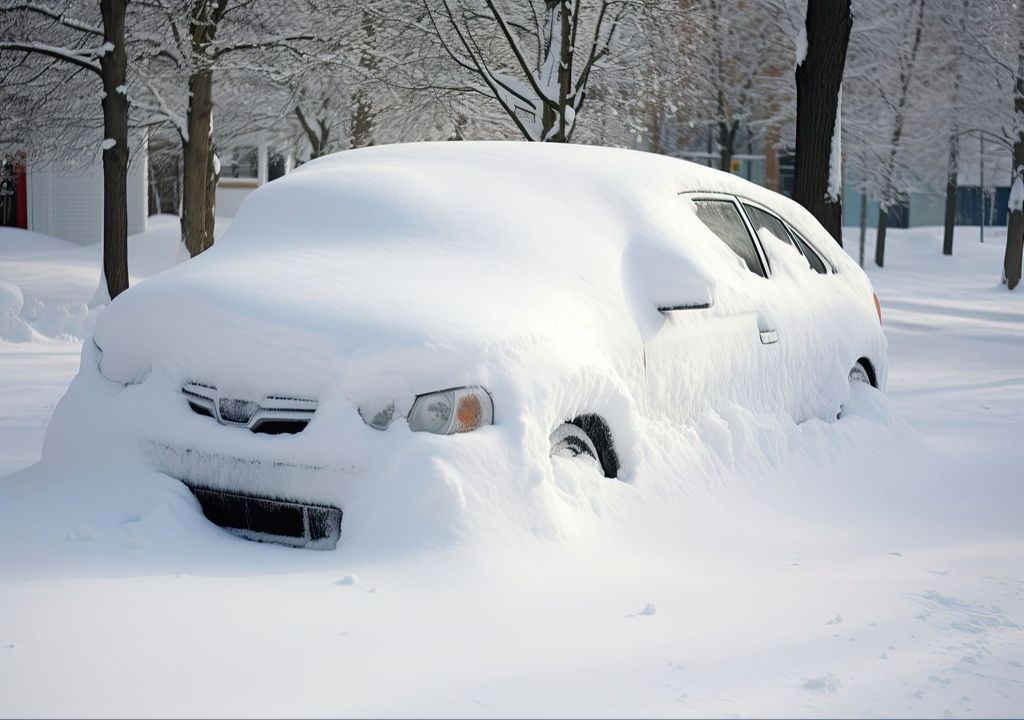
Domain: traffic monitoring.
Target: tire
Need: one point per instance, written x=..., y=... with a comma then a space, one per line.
x=858, y=374
x=587, y=437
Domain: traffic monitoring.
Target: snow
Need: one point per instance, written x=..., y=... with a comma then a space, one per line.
x=108, y=143
x=835, y=159
x=360, y=278
x=1016, y=199
x=801, y=46
x=784, y=559
x=63, y=306
x=83, y=57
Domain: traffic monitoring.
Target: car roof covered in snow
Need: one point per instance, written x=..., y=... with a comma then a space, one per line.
x=415, y=188
x=442, y=244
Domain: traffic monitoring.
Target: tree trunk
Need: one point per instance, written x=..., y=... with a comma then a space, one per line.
x=906, y=75
x=954, y=138
x=362, y=123
x=863, y=223
x=317, y=136
x=362, y=114
x=726, y=144
x=1015, y=222
x=113, y=71
x=655, y=127
x=564, y=68
x=950, y=220
x=819, y=79
x=199, y=187
x=883, y=223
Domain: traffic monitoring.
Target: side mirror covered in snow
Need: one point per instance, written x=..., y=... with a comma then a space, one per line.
x=696, y=301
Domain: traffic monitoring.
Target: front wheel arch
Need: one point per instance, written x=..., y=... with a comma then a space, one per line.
x=600, y=436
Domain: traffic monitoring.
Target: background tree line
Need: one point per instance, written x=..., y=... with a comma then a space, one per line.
x=879, y=91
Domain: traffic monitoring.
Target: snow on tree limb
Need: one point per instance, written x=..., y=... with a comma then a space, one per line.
x=53, y=14
x=84, y=58
x=524, y=53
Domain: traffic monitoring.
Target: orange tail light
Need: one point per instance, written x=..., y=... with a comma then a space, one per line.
x=878, y=307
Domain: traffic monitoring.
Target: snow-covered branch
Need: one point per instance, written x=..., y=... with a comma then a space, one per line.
x=53, y=14
x=83, y=58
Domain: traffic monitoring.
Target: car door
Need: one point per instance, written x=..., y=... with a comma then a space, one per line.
x=800, y=303
x=725, y=352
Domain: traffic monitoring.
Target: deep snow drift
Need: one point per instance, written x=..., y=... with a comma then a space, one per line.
x=869, y=566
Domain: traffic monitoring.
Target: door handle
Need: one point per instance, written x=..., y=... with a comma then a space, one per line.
x=769, y=337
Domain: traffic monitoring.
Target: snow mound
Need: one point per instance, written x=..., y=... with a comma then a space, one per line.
x=55, y=286
x=12, y=327
x=21, y=322
x=11, y=297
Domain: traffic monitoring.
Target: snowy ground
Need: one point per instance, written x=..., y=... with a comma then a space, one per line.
x=869, y=567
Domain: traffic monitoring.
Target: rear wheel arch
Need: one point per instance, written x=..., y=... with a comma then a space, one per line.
x=869, y=368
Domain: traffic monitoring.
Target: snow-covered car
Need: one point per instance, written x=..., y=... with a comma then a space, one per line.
x=383, y=330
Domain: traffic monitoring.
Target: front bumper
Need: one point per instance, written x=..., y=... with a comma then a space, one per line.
x=260, y=500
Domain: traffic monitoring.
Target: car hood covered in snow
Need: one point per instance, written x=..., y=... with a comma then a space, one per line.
x=435, y=258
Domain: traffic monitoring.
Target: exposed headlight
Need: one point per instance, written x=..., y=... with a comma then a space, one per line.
x=378, y=415
x=452, y=411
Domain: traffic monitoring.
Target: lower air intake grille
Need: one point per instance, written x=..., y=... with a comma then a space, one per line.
x=265, y=520
x=280, y=427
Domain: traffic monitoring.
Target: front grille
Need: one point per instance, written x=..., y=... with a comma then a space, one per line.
x=272, y=415
x=269, y=520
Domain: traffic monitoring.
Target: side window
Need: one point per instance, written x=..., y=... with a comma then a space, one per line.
x=723, y=219
x=809, y=253
x=761, y=219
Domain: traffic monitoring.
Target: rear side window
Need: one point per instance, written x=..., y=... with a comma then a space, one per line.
x=812, y=257
x=761, y=219
x=723, y=219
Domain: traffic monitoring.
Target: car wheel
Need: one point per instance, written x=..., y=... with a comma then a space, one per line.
x=858, y=374
x=586, y=437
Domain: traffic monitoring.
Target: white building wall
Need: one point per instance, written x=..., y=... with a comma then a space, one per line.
x=138, y=192
x=69, y=204
x=230, y=196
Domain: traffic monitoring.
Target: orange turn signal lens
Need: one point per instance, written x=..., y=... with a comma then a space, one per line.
x=468, y=414
x=878, y=307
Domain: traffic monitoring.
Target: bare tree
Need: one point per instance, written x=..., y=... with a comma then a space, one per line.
x=1015, y=222
x=819, y=81
x=744, y=53
x=899, y=108
x=534, y=58
x=953, y=18
x=201, y=38
x=76, y=44
x=991, y=61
